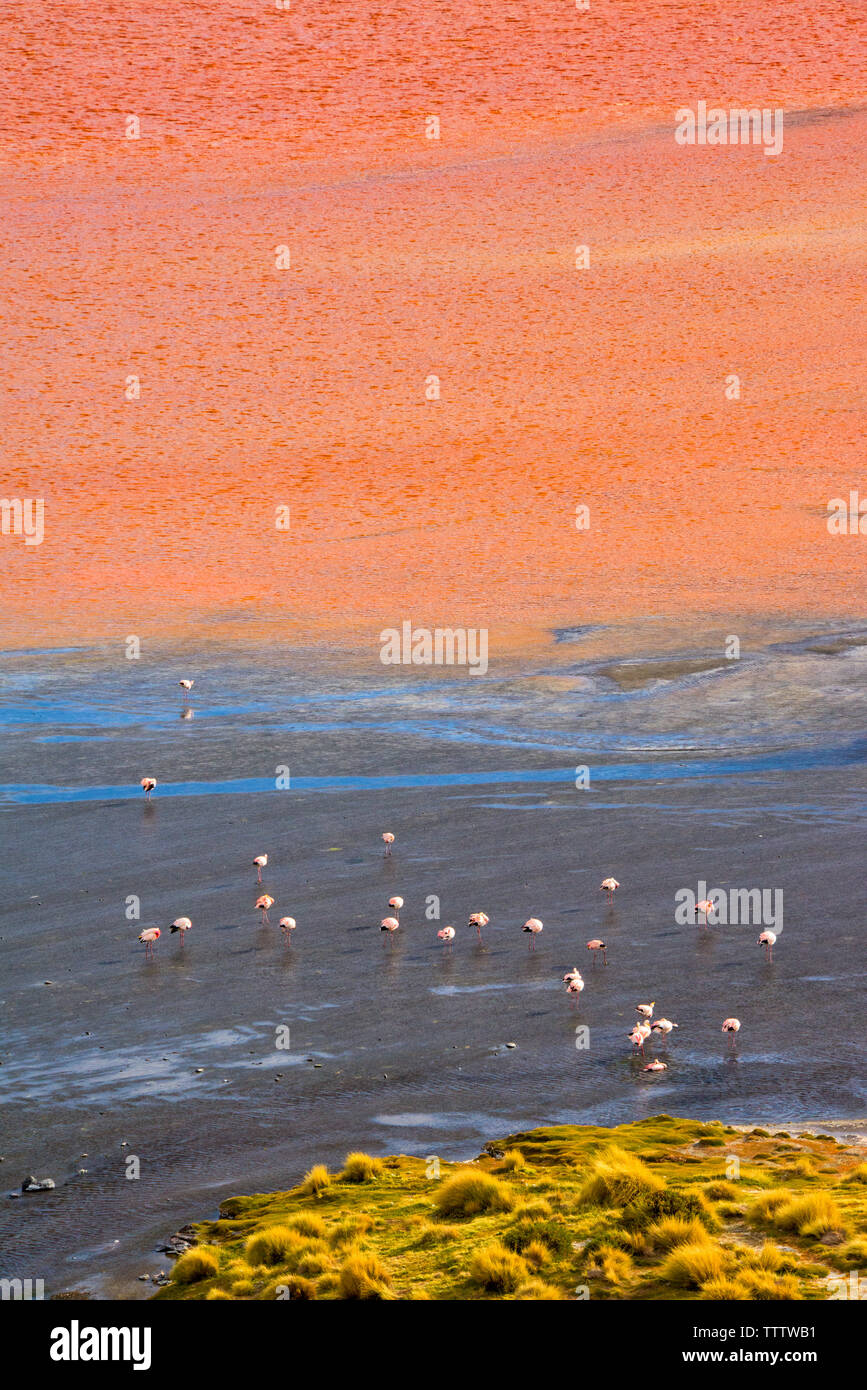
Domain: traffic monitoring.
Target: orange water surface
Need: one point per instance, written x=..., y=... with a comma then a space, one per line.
x=305, y=387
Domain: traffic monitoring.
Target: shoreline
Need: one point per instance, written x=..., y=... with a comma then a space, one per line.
x=658, y=1208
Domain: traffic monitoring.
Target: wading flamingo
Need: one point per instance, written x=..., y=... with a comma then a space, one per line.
x=263, y=905
x=397, y=904
x=597, y=945
x=186, y=686
x=147, y=786
x=150, y=936
x=610, y=885
x=731, y=1026
x=533, y=926
x=705, y=906
x=575, y=986
x=656, y=1065
x=287, y=927
x=389, y=924
x=388, y=840
x=663, y=1025
x=260, y=861
x=646, y=1010
x=768, y=939
x=637, y=1036
x=181, y=925
x=478, y=920
x=446, y=935
x=573, y=974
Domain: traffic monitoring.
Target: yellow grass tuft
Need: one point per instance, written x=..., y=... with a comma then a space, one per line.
x=617, y=1266
x=498, y=1269
x=692, y=1266
x=618, y=1178
x=363, y=1275
x=810, y=1215
x=536, y=1290
x=471, y=1191
x=316, y=1181
x=196, y=1264
x=674, y=1230
x=360, y=1167
x=760, y=1285
x=273, y=1246
x=514, y=1161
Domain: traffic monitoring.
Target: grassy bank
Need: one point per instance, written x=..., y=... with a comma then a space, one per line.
x=660, y=1209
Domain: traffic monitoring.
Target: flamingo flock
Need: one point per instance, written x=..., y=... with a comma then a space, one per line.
x=642, y=1030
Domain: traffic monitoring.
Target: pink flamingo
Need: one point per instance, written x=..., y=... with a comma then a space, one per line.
x=181, y=925
x=388, y=838
x=446, y=935
x=656, y=1065
x=287, y=927
x=397, y=904
x=478, y=920
x=260, y=861
x=389, y=924
x=731, y=1026
x=705, y=906
x=597, y=945
x=150, y=936
x=638, y=1035
x=186, y=686
x=646, y=1010
x=610, y=885
x=532, y=925
x=768, y=940
x=148, y=784
x=663, y=1025
x=263, y=905
x=575, y=985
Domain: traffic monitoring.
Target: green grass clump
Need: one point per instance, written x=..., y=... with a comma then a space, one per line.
x=497, y=1269
x=363, y=1275
x=196, y=1264
x=619, y=1179
x=692, y=1266
x=472, y=1191
x=528, y=1231
x=316, y=1181
x=360, y=1167
x=214, y=1294
x=852, y=1255
x=243, y=1288
x=350, y=1230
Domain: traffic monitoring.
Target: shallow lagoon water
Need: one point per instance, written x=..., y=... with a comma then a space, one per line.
x=750, y=775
